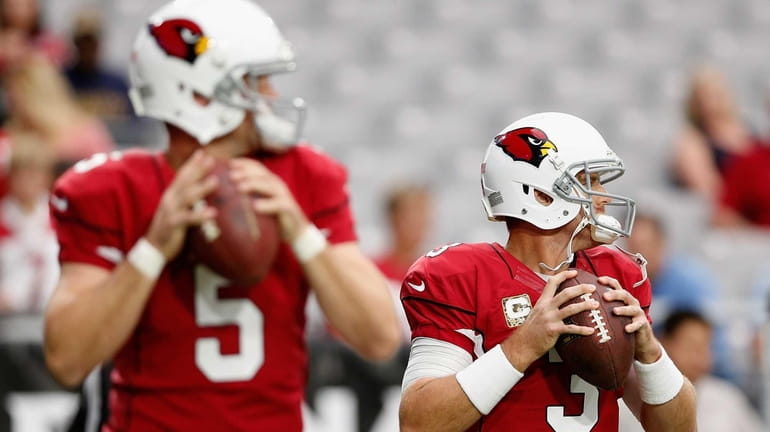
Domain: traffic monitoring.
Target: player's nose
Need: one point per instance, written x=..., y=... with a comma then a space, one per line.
x=600, y=201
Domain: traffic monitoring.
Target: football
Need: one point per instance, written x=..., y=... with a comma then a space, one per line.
x=238, y=243
x=604, y=357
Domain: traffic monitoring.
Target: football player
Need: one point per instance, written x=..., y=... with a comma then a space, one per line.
x=485, y=318
x=191, y=350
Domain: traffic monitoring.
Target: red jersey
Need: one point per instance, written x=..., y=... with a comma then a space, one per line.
x=475, y=295
x=744, y=188
x=205, y=355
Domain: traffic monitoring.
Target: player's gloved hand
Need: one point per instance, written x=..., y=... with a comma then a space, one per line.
x=545, y=322
x=252, y=177
x=176, y=210
x=647, y=346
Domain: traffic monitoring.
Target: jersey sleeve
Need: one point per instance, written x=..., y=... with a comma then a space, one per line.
x=438, y=295
x=643, y=293
x=329, y=199
x=630, y=272
x=85, y=217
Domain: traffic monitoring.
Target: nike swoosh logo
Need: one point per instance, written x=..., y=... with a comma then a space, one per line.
x=59, y=203
x=418, y=288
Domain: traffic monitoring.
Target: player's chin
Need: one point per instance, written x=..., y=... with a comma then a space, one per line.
x=253, y=141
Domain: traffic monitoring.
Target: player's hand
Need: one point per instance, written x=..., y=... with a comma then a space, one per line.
x=545, y=322
x=646, y=345
x=275, y=198
x=177, y=210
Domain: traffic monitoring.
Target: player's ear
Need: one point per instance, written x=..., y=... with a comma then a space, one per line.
x=543, y=198
x=200, y=99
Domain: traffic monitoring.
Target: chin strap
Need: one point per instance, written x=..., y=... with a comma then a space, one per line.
x=640, y=260
x=570, y=253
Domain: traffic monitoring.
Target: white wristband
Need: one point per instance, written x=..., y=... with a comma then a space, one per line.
x=309, y=244
x=659, y=382
x=488, y=379
x=147, y=259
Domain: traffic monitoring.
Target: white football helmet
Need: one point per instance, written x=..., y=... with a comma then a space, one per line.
x=545, y=152
x=213, y=49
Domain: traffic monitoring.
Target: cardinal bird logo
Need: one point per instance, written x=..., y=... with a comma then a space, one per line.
x=526, y=144
x=180, y=38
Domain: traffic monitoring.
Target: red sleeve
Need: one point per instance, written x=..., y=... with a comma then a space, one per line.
x=608, y=261
x=84, y=216
x=643, y=293
x=330, y=200
x=439, y=299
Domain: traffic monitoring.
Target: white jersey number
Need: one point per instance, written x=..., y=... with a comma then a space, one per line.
x=590, y=415
x=433, y=253
x=210, y=310
x=96, y=160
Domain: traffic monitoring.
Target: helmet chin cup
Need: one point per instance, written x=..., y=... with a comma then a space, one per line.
x=279, y=132
x=601, y=229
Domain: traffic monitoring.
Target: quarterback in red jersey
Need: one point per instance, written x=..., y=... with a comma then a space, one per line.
x=485, y=317
x=192, y=351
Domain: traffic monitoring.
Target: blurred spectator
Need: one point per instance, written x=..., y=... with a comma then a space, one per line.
x=100, y=91
x=22, y=33
x=745, y=197
x=5, y=161
x=679, y=282
x=41, y=104
x=21, y=30
x=28, y=269
x=408, y=213
x=28, y=247
x=686, y=336
x=758, y=389
x=714, y=134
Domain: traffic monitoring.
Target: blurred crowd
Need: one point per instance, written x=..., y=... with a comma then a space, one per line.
x=59, y=104
x=55, y=101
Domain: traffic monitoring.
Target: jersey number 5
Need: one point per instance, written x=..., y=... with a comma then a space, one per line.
x=210, y=310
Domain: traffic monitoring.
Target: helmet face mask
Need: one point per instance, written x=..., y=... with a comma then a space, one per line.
x=548, y=152
x=571, y=189
x=279, y=120
x=239, y=88
x=216, y=50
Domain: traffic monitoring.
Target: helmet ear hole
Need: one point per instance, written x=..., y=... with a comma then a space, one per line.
x=543, y=198
x=200, y=99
